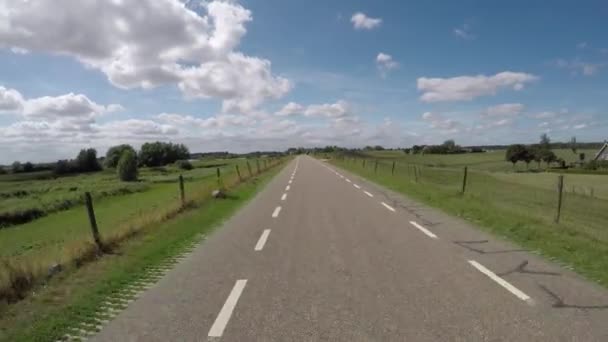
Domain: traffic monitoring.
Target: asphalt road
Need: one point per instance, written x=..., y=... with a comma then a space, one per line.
x=322, y=255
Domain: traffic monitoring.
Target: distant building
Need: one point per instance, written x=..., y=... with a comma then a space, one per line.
x=603, y=153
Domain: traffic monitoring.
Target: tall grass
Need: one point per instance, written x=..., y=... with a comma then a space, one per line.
x=18, y=274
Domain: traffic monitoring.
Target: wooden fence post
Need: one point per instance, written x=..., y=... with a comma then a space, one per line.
x=182, y=193
x=393, y=169
x=220, y=185
x=89, y=204
x=249, y=168
x=364, y=163
x=560, y=196
x=416, y=173
x=238, y=172
x=376, y=167
x=464, y=179
x=257, y=162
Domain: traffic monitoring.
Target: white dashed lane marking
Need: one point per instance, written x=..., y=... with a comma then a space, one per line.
x=368, y=194
x=424, y=230
x=262, y=241
x=514, y=290
x=356, y=186
x=276, y=212
x=217, y=329
x=284, y=197
x=388, y=207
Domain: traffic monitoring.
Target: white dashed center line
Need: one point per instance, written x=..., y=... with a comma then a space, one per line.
x=276, y=212
x=217, y=329
x=348, y=180
x=388, y=207
x=284, y=197
x=262, y=241
x=356, y=186
x=424, y=230
x=514, y=290
x=368, y=194
x=287, y=188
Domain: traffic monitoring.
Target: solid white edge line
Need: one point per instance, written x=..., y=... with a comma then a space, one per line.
x=262, y=241
x=424, y=230
x=287, y=188
x=388, y=207
x=368, y=194
x=217, y=329
x=276, y=212
x=356, y=186
x=284, y=197
x=514, y=290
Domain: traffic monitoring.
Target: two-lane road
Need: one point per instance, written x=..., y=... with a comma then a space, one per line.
x=321, y=255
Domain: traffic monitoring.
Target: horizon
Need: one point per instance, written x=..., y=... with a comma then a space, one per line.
x=252, y=75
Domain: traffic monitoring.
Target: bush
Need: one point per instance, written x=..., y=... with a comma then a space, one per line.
x=86, y=161
x=159, y=153
x=184, y=165
x=3, y=171
x=114, y=153
x=127, y=166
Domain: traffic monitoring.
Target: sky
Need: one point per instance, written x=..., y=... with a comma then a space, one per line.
x=254, y=75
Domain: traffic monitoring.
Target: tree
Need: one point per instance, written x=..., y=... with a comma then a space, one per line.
x=527, y=157
x=114, y=153
x=417, y=149
x=86, y=161
x=159, y=153
x=545, y=142
x=62, y=167
x=548, y=157
x=184, y=164
x=573, y=145
x=16, y=167
x=28, y=167
x=537, y=155
x=127, y=166
x=516, y=153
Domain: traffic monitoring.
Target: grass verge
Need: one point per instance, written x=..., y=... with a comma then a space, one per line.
x=521, y=213
x=76, y=294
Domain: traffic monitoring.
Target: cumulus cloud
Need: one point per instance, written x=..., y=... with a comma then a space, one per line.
x=10, y=100
x=385, y=63
x=68, y=112
x=149, y=43
x=361, y=21
x=466, y=88
x=335, y=110
x=290, y=109
x=218, y=121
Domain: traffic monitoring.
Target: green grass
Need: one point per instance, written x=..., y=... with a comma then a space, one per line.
x=24, y=198
x=519, y=209
x=75, y=295
x=493, y=161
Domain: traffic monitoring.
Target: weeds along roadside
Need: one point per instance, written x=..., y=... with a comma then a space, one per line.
x=19, y=275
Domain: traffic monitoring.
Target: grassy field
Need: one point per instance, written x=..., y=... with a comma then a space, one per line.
x=25, y=198
x=519, y=206
x=65, y=237
x=75, y=295
x=493, y=161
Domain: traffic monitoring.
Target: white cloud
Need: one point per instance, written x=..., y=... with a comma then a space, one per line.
x=385, y=63
x=363, y=22
x=465, y=88
x=291, y=108
x=545, y=115
x=10, y=100
x=503, y=110
x=335, y=110
x=464, y=32
x=437, y=121
x=149, y=43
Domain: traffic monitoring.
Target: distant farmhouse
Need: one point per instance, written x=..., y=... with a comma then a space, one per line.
x=603, y=153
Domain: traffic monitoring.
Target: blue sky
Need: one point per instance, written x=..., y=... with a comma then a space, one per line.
x=270, y=74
